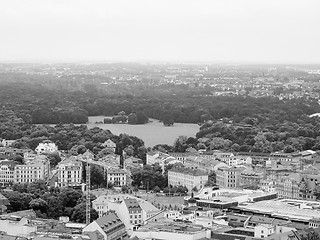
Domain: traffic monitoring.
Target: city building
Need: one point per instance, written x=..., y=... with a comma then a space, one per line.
x=249, y=177
x=132, y=162
x=164, y=230
x=287, y=188
x=190, y=178
x=7, y=143
x=117, y=176
x=35, y=169
x=46, y=147
x=116, y=202
x=228, y=177
x=110, y=145
x=263, y=230
x=110, y=226
x=69, y=172
x=7, y=172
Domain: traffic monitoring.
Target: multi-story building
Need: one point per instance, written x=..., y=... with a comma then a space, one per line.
x=228, y=177
x=7, y=172
x=132, y=207
x=46, y=147
x=117, y=176
x=287, y=188
x=189, y=178
x=110, y=226
x=112, y=202
x=69, y=172
x=35, y=169
x=249, y=177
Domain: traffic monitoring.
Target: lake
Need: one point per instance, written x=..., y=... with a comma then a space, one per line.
x=152, y=133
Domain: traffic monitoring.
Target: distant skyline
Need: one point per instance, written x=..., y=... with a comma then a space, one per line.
x=206, y=31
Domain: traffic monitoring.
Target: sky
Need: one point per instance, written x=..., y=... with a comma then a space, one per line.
x=211, y=31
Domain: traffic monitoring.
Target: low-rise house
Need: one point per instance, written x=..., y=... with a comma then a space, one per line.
x=110, y=145
x=263, y=230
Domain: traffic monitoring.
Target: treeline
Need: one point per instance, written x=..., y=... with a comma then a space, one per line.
x=48, y=202
x=67, y=137
x=38, y=104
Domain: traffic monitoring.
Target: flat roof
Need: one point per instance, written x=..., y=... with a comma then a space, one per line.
x=286, y=208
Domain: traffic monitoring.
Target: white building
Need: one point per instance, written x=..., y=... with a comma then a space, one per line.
x=187, y=177
x=117, y=176
x=7, y=143
x=35, y=169
x=7, y=172
x=115, y=202
x=110, y=226
x=110, y=145
x=69, y=172
x=46, y=147
x=263, y=230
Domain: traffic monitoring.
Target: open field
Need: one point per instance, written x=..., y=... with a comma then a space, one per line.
x=152, y=133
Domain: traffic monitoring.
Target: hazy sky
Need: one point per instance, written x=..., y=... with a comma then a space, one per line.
x=262, y=31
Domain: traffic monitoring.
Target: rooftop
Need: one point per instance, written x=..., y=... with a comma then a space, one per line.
x=108, y=221
x=187, y=171
x=132, y=204
x=168, y=226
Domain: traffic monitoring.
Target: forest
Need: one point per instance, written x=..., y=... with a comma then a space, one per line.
x=238, y=123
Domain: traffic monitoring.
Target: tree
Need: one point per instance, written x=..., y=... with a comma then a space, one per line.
x=195, y=189
x=18, y=201
x=168, y=119
x=79, y=214
x=142, y=118
x=70, y=196
x=180, y=144
x=125, y=189
x=132, y=118
x=37, y=188
x=54, y=159
x=156, y=189
x=39, y=204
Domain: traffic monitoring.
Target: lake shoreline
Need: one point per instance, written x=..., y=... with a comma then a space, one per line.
x=152, y=133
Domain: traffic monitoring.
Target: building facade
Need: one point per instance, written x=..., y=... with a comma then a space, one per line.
x=34, y=170
x=7, y=172
x=69, y=172
x=117, y=177
x=228, y=177
x=189, y=178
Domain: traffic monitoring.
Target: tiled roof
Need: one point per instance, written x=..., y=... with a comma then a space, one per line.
x=132, y=204
x=108, y=221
